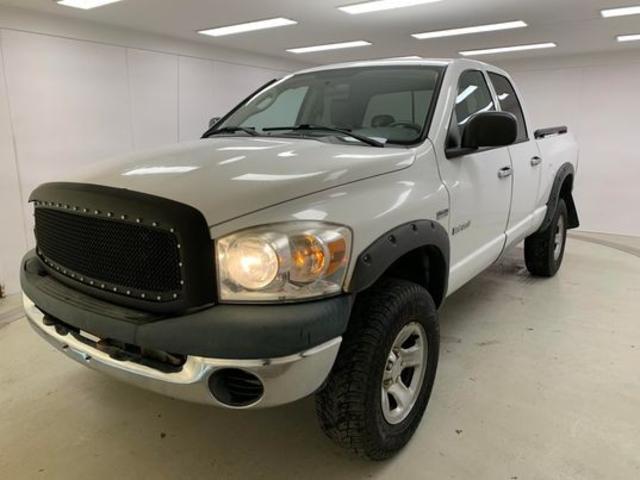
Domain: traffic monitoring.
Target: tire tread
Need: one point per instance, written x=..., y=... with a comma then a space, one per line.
x=538, y=248
x=343, y=415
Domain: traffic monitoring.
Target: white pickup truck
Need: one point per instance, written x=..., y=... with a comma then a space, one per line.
x=305, y=243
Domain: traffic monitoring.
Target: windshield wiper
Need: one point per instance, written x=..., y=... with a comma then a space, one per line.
x=306, y=127
x=248, y=131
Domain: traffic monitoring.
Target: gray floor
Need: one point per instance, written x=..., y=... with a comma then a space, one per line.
x=10, y=310
x=538, y=380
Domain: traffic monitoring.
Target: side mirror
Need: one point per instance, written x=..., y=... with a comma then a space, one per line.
x=490, y=129
x=213, y=121
x=486, y=129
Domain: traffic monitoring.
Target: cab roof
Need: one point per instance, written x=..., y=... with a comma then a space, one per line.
x=462, y=63
x=441, y=62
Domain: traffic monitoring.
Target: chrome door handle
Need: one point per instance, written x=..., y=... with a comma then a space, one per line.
x=535, y=161
x=505, y=172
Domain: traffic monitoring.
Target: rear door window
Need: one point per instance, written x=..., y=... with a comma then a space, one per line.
x=509, y=102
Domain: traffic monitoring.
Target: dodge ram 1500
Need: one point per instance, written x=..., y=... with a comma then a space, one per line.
x=305, y=243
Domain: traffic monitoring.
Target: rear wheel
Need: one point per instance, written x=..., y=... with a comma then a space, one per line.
x=544, y=250
x=379, y=388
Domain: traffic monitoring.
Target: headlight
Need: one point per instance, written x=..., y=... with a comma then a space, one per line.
x=283, y=262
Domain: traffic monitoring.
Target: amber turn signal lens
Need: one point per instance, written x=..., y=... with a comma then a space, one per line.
x=337, y=254
x=310, y=258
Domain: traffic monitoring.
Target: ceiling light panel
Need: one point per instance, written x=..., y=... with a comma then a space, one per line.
x=629, y=38
x=248, y=27
x=331, y=46
x=380, y=5
x=85, y=4
x=621, y=12
x=470, y=30
x=515, y=48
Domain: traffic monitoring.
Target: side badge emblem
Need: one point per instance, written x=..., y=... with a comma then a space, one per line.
x=461, y=228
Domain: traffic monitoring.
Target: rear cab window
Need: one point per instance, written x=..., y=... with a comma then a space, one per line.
x=397, y=108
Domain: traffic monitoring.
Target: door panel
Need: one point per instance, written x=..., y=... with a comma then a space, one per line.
x=525, y=159
x=479, y=196
x=527, y=168
x=479, y=211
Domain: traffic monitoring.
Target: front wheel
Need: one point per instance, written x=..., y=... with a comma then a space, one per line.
x=544, y=250
x=380, y=385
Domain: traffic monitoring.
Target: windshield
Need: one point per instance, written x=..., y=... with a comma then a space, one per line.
x=388, y=104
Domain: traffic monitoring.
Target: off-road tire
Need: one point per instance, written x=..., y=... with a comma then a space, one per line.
x=349, y=406
x=539, y=248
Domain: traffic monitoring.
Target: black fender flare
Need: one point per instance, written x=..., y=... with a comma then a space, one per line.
x=563, y=172
x=380, y=255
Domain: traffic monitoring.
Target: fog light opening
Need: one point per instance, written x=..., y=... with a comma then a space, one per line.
x=235, y=388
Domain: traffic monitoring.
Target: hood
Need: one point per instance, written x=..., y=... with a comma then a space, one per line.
x=227, y=177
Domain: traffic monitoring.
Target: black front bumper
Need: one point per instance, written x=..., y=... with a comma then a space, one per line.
x=220, y=331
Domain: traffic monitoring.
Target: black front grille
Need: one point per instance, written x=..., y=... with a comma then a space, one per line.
x=108, y=253
x=129, y=248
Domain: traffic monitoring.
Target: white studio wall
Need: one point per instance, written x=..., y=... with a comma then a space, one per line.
x=66, y=103
x=597, y=97
x=153, y=76
x=13, y=238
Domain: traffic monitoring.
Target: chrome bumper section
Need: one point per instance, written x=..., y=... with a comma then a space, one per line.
x=285, y=379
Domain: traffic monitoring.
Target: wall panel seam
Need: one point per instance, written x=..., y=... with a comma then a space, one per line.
x=130, y=100
x=178, y=102
x=13, y=139
x=113, y=44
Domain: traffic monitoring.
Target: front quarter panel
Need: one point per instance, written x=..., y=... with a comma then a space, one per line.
x=370, y=207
